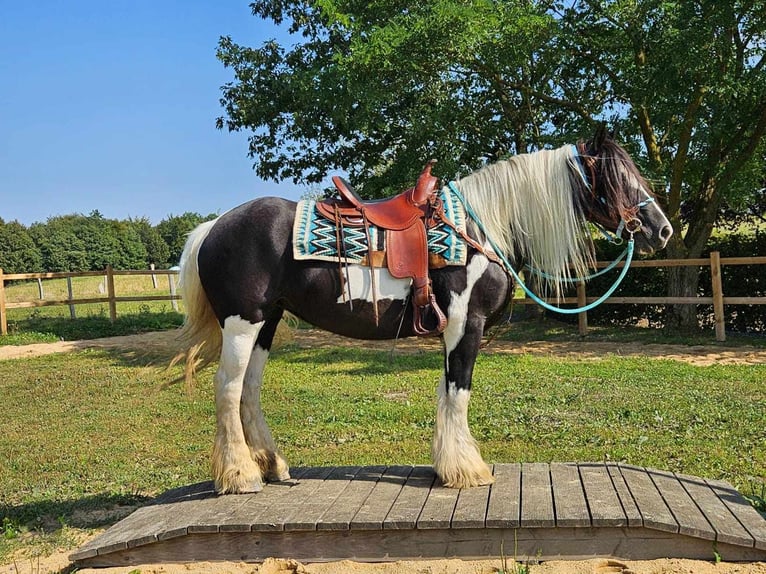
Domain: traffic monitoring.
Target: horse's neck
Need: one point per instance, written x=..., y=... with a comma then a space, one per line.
x=527, y=209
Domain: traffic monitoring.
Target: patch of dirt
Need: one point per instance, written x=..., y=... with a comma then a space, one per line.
x=164, y=344
x=59, y=563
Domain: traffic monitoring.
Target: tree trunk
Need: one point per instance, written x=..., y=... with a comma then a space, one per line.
x=684, y=281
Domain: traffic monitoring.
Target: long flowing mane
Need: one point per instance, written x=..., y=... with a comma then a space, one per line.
x=530, y=211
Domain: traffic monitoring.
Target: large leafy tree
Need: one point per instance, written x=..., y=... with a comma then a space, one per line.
x=377, y=88
x=687, y=81
x=174, y=230
x=18, y=252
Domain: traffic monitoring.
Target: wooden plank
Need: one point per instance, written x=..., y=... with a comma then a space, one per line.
x=406, y=508
x=536, y=496
x=739, y=506
x=568, y=496
x=339, y=515
x=688, y=516
x=210, y=515
x=274, y=516
x=654, y=512
x=471, y=508
x=626, y=498
x=504, y=508
x=375, y=509
x=306, y=516
x=439, y=507
x=728, y=528
x=603, y=501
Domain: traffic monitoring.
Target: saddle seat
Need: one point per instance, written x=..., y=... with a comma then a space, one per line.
x=405, y=219
x=394, y=213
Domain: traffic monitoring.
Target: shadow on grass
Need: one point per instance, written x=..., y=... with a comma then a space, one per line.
x=50, y=516
x=96, y=327
x=359, y=361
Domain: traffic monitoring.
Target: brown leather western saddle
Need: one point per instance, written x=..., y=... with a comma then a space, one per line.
x=405, y=219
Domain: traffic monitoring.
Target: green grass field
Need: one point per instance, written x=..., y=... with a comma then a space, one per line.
x=88, y=431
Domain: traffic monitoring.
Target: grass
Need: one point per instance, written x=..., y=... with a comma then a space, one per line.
x=85, y=434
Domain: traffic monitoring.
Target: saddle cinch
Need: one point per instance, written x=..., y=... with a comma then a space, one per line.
x=405, y=218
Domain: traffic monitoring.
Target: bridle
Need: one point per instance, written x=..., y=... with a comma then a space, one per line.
x=628, y=217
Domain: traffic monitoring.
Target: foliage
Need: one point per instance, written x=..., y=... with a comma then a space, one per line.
x=157, y=250
x=78, y=242
x=174, y=229
x=115, y=434
x=18, y=252
x=376, y=89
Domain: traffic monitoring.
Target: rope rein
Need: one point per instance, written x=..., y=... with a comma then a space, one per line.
x=631, y=225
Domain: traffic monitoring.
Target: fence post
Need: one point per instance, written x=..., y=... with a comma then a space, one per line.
x=3, y=318
x=172, y=284
x=154, y=277
x=40, y=289
x=110, y=293
x=582, y=318
x=70, y=291
x=715, y=274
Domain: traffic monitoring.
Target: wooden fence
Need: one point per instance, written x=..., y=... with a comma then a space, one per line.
x=715, y=262
x=110, y=297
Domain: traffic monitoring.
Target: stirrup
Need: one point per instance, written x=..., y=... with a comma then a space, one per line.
x=428, y=319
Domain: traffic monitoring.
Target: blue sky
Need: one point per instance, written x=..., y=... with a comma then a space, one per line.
x=111, y=105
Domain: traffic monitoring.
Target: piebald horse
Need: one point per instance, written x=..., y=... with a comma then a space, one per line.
x=238, y=276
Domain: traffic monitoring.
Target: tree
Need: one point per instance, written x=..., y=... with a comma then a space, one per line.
x=18, y=253
x=88, y=243
x=687, y=80
x=157, y=251
x=61, y=248
x=174, y=229
x=377, y=88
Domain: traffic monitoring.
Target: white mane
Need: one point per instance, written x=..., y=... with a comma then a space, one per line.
x=528, y=210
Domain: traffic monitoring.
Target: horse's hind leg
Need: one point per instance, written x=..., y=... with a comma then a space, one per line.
x=263, y=450
x=234, y=470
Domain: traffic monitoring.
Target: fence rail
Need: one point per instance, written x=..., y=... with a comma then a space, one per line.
x=110, y=298
x=715, y=262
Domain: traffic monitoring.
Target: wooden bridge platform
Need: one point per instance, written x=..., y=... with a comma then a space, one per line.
x=533, y=511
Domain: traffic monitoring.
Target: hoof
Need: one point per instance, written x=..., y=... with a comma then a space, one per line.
x=279, y=471
x=273, y=467
x=478, y=475
x=245, y=488
x=239, y=482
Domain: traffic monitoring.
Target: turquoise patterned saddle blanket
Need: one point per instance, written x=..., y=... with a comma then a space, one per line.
x=314, y=237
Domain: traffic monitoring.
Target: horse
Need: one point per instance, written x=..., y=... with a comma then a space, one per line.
x=239, y=275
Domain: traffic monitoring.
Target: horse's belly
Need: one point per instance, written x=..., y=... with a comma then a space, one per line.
x=351, y=311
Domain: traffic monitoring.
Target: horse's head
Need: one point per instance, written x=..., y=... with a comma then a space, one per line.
x=617, y=197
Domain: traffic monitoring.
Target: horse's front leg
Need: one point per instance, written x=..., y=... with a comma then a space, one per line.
x=263, y=449
x=456, y=457
x=234, y=471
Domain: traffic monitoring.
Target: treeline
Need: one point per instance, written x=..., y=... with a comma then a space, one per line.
x=91, y=242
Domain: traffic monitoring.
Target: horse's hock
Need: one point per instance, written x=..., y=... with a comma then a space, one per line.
x=533, y=511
